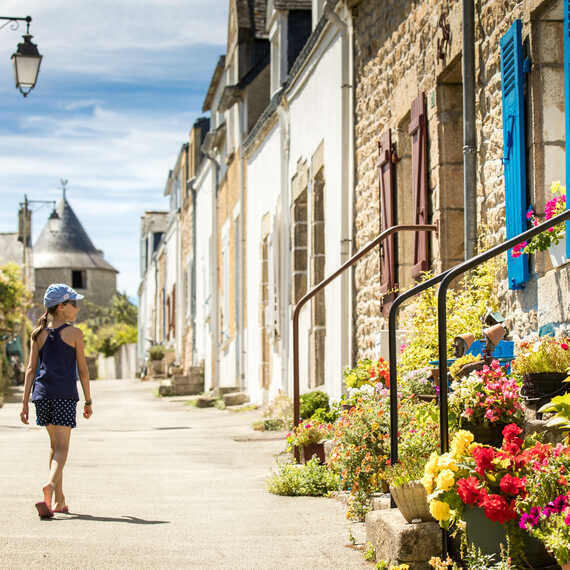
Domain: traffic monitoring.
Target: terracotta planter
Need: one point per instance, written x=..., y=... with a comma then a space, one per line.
x=426, y=397
x=494, y=335
x=489, y=535
x=317, y=449
x=487, y=434
x=411, y=499
x=462, y=343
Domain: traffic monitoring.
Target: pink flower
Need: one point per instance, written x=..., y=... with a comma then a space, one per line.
x=468, y=412
x=529, y=214
x=564, y=346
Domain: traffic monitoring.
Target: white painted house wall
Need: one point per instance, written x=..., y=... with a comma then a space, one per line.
x=316, y=111
x=315, y=99
x=203, y=187
x=263, y=191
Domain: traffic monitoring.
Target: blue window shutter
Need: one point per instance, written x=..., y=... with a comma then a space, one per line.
x=514, y=160
x=567, y=110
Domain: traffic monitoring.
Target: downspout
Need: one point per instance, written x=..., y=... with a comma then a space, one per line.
x=284, y=289
x=241, y=252
x=193, y=275
x=214, y=313
x=469, y=136
x=347, y=139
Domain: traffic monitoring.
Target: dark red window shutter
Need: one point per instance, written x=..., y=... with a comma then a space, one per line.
x=418, y=132
x=168, y=317
x=387, y=220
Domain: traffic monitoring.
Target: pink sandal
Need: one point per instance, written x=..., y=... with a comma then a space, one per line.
x=44, y=511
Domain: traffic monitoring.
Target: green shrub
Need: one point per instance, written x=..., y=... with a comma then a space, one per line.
x=323, y=416
x=311, y=401
x=309, y=480
x=156, y=352
x=281, y=408
x=111, y=337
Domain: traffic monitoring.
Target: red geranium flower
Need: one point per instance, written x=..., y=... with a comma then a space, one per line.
x=469, y=490
x=483, y=458
x=497, y=509
x=511, y=485
x=511, y=431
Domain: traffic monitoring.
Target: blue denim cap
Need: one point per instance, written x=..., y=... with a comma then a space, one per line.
x=59, y=293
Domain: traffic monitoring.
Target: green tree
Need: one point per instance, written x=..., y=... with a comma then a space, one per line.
x=123, y=311
x=15, y=298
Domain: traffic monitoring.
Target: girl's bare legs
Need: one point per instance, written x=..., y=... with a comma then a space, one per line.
x=59, y=439
x=58, y=491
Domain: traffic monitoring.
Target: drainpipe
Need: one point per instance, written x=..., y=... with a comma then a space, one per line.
x=347, y=165
x=469, y=137
x=214, y=313
x=284, y=290
x=193, y=275
x=241, y=253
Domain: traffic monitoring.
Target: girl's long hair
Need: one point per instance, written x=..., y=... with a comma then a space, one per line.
x=42, y=322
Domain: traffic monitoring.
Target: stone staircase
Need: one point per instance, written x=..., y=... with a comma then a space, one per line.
x=181, y=385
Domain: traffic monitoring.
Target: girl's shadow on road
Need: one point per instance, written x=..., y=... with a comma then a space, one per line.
x=124, y=519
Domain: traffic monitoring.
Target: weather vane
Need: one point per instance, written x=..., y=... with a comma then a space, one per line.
x=63, y=182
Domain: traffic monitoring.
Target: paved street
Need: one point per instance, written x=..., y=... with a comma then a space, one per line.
x=152, y=483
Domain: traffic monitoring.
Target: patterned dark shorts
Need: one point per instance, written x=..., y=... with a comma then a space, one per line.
x=57, y=412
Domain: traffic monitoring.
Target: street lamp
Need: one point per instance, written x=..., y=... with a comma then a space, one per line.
x=27, y=58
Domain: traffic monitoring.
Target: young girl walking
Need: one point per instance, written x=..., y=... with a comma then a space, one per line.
x=58, y=347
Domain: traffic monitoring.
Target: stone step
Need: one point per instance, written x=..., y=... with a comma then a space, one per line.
x=220, y=391
x=235, y=398
x=205, y=401
x=398, y=542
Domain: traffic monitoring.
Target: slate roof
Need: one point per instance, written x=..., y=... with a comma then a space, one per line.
x=64, y=243
x=251, y=16
x=292, y=4
x=10, y=248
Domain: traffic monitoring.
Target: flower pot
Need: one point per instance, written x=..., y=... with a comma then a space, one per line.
x=485, y=433
x=495, y=334
x=462, y=343
x=426, y=397
x=411, y=499
x=543, y=385
x=488, y=536
x=317, y=449
x=557, y=253
x=157, y=367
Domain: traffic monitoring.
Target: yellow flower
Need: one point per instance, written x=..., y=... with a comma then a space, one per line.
x=431, y=465
x=446, y=461
x=427, y=482
x=461, y=442
x=439, y=510
x=445, y=480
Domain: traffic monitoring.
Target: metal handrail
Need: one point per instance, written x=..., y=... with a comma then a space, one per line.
x=392, y=358
x=442, y=310
x=308, y=296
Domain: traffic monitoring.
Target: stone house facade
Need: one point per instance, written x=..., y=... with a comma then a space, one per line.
x=409, y=53
x=331, y=121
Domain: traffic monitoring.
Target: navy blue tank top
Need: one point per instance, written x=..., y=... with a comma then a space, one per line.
x=57, y=375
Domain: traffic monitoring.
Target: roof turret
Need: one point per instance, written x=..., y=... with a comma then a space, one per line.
x=64, y=243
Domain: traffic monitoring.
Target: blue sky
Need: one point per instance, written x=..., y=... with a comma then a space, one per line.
x=120, y=85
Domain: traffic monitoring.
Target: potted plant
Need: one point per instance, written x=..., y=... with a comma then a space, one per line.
x=542, y=364
x=551, y=240
x=309, y=437
x=485, y=402
x=545, y=509
x=480, y=485
x=419, y=383
x=156, y=355
x=418, y=441
x=464, y=365
x=367, y=378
